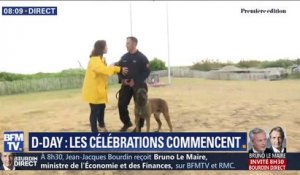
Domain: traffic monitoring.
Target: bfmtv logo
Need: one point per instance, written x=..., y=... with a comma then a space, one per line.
x=14, y=141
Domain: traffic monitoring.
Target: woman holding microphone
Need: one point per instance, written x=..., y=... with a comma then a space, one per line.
x=95, y=86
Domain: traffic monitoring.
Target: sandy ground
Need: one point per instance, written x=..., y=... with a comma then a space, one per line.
x=195, y=105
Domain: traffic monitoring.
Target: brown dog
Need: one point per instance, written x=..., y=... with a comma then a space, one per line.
x=145, y=107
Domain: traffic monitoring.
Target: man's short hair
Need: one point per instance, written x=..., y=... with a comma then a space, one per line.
x=278, y=129
x=134, y=39
x=254, y=132
x=13, y=154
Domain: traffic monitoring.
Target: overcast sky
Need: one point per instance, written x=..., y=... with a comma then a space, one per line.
x=198, y=30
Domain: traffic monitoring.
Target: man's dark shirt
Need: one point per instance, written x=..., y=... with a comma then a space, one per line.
x=138, y=67
x=272, y=150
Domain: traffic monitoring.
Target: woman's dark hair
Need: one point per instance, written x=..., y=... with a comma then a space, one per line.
x=99, y=47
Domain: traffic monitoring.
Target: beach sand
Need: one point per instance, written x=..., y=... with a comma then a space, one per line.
x=195, y=105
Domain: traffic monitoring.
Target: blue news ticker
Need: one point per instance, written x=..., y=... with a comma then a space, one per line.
x=141, y=161
x=179, y=141
x=132, y=161
x=26, y=10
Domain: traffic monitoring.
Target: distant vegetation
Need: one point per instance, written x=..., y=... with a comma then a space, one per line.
x=11, y=83
x=285, y=63
x=207, y=65
x=6, y=76
x=248, y=63
x=157, y=64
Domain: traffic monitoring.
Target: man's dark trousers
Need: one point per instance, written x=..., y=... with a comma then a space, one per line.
x=125, y=95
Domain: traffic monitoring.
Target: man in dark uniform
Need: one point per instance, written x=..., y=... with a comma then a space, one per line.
x=138, y=71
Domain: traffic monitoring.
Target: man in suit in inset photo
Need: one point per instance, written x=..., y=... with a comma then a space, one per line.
x=8, y=160
x=258, y=138
x=277, y=139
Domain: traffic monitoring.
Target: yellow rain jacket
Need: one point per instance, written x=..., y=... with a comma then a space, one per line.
x=95, y=85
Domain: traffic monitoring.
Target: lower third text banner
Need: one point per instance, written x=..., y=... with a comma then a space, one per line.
x=150, y=161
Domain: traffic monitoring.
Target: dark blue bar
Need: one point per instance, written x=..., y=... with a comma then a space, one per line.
x=22, y=10
x=171, y=161
x=177, y=161
x=39, y=141
x=293, y=162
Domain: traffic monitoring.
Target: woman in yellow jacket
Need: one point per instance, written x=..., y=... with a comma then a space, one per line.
x=95, y=86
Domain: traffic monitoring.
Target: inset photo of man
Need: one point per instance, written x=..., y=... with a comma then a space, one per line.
x=258, y=140
x=278, y=140
x=8, y=160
